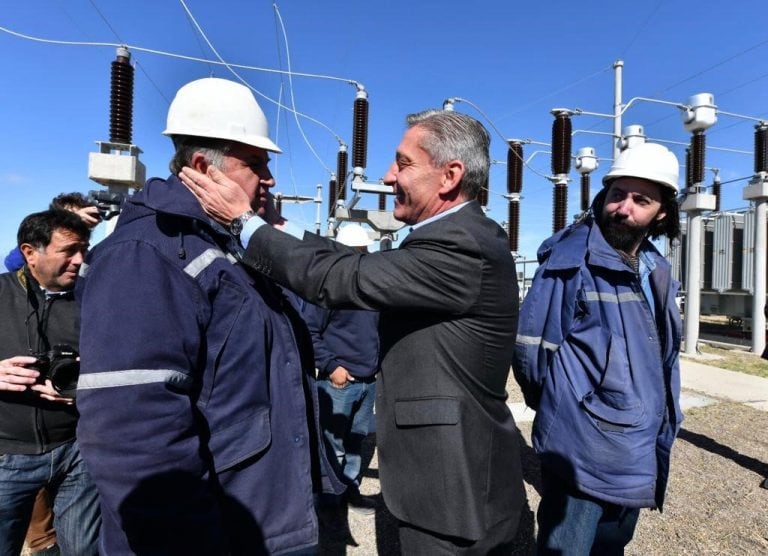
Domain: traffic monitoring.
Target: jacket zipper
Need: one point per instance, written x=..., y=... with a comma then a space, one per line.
x=43, y=323
x=655, y=329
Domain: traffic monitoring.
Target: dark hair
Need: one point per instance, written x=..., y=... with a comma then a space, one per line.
x=37, y=228
x=455, y=136
x=668, y=226
x=74, y=199
x=187, y=145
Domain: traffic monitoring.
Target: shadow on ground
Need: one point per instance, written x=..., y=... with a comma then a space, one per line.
x=710, y=445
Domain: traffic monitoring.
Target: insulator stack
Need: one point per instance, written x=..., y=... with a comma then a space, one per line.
x=279, y=204
x=561, y=143
x=382, y=202
x=761, y=148
x=121, y=99
x=585, y=186
x=514, y=225
x=688, y=168
x=360, y=131
x=341, y=175
x=559, y=206
x=333, y=187
x=515, y=162
x=698, y=148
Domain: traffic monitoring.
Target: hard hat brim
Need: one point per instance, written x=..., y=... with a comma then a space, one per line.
x=254, y=140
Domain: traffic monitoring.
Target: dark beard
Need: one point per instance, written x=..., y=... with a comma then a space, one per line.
x=620, y=235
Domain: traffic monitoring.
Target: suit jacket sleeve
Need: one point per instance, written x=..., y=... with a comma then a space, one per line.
x=436, y=268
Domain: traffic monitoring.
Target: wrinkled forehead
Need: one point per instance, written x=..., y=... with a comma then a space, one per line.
x=414, y=143
x=636, y=186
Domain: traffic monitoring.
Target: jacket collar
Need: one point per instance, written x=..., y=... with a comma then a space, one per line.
x=470, y=208
x=34, y=292
x=169, y=196
x=440, y=215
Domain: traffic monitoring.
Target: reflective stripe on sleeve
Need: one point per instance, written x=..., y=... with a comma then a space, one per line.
x=528, y=340
x=613, y=298
x=204, y=260
x=535, y=341
x=134, y=377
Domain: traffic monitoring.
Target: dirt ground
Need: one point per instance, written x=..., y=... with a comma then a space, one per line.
x=714, y=501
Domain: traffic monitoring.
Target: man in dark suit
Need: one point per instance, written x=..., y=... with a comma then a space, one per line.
x=448, y=296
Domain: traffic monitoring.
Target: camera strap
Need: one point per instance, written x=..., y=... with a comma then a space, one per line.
x=40, y=313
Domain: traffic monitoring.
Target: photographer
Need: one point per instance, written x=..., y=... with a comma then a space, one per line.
x=85, y=207
x=39, y=336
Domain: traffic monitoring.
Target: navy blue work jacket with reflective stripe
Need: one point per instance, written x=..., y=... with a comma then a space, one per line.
x=602, y=374
x=194, y=420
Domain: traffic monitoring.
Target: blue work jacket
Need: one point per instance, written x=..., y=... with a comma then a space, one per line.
x=600, y=368
x=344, y=337
x=197, y=421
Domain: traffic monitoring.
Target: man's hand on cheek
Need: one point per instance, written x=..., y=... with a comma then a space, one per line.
x=221, y=198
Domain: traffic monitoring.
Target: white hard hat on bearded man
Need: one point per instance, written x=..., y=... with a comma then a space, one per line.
x=649, y=161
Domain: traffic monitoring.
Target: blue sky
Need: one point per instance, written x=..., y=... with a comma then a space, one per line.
x=514, y=62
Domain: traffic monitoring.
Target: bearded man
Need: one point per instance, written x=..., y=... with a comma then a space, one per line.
x=596, y=356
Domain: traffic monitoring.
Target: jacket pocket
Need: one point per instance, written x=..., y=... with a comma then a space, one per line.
x=226, y=318
x=414, y=412
x=613, y=408
x=614, y=401
x=233, y=444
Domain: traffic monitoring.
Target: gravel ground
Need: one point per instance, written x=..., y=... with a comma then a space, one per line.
x=714, y=501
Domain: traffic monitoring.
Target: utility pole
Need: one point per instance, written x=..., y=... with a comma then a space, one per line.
x=618, y=66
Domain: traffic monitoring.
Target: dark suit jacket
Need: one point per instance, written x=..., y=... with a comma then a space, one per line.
x=448, y=445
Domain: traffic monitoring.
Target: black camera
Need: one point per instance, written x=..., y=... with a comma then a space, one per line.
x=60, y=365
x=108, y=202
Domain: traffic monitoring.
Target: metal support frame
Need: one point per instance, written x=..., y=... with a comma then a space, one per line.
x=383, y=222
x=695, y=203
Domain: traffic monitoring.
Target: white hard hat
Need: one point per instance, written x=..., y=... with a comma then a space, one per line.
x=219, y=109
x=354, y=235
x=648, y=161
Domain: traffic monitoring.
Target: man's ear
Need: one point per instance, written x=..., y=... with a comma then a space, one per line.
x=661, y=215
x=451, y=180
x=28, y=251
x=199, y=163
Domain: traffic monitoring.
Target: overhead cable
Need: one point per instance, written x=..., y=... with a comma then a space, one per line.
x=191, y=59
x=291, y=91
